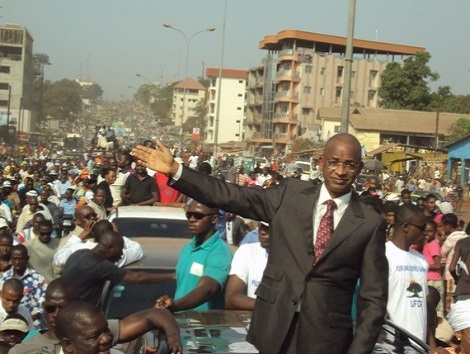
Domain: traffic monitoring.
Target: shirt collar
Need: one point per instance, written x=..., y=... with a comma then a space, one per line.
x=207, y=243
x=341, y=202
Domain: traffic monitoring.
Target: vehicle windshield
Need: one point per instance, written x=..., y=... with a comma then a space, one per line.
x=145, y=227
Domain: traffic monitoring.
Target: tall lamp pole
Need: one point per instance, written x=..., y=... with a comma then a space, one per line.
x=219, y=89
x=348, y=68
x=188, y=44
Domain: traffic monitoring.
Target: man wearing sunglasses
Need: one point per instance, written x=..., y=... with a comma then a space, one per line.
x=203, y=264
x=408, y=268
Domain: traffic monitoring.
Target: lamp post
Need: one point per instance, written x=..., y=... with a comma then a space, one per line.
x=188, y=44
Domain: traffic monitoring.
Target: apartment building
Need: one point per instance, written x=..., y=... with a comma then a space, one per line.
x=186, y=95
x=304, y=71
x=16, y=78
x=232, y=105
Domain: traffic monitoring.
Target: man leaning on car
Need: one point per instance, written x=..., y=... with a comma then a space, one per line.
x=203, y=264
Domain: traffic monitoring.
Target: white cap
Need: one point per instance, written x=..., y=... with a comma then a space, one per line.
x=445, y=207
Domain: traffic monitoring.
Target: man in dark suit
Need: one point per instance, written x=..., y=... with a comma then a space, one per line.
x=304, y=301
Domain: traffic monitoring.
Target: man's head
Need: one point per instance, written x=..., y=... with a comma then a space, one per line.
x=341, y=163
x=6, y=243
x=44, y=195
x=420, y=202
x=85, y=214
x=68, y=194
x=99, y=196
x=201, y=219
x=45, y=229
x=13, y=329
x=110, y=245
x=124, y=160
x=12, y=293
x=430, y=203
x=100, y=227
x=263, y=234
x=59, y=292
x=450, y=223
x=406, y=196
x=141, y=170
x=410, y=223
x=19, y=258
x=83, y=329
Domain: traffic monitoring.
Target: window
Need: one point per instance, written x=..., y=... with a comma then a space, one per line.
x=353, y=74
x=322, y=91
x=308, y=69
x=239, y=108
x=240, y=95
x=305, y=111
x=322, y=71
x=240, y=81
x=339, y=71
x=3, y=103
x=4, y=69
x=307, y=89
x=4, y=86
x=337, y=128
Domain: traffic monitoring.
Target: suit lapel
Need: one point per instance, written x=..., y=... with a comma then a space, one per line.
x=309, y=199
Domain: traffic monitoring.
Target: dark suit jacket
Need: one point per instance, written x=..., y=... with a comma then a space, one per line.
x=356, y=250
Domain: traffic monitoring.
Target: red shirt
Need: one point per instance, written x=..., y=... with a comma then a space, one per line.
x=167, y=194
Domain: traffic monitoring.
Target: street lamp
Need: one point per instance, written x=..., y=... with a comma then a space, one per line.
x=188, y=44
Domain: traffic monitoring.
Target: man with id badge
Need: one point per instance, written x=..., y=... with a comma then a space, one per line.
x=203, y=264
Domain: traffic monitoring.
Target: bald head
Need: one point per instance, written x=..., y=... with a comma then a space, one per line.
x=62, y=288
x=345, y=138
x=13, y=284
x=194, y=205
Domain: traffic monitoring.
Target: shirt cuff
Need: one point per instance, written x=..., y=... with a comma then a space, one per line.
x=178, y=173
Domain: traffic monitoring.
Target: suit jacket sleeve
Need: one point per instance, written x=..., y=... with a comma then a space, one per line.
x=373, y=293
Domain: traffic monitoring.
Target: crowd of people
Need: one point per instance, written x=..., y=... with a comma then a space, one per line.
x=299, y=245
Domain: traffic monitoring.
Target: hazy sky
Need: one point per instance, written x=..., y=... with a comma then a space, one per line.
x=110, y=41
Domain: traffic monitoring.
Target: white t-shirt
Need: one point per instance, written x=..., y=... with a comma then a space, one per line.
x=248, y=264
x=407, y=289
x=193, y=159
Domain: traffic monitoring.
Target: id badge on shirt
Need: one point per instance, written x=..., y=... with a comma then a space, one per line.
x=197, y=269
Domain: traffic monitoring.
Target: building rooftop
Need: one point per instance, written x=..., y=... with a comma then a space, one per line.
x=391, y=120
x=190, y=84
x=227, y=73
x=337, y=44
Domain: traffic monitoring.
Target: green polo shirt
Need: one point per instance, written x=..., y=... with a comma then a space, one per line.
x=211, y=259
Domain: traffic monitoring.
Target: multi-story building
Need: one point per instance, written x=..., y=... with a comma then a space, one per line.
x=232, y=104
x=16, y=78
x=186, y=95
x=308, y=71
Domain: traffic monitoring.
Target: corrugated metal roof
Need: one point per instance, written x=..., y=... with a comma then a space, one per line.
x=389, y=120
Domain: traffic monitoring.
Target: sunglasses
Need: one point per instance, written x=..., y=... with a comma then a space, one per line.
x=420, y=227
x=196, y=215
x=52, y=309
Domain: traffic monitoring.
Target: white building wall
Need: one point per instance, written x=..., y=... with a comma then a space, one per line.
x=191, y=100
x=232, y=110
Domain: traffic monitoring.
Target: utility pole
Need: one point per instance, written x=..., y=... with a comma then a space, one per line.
x=348, y=68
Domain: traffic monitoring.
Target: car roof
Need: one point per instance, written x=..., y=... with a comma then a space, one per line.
x=150, y=212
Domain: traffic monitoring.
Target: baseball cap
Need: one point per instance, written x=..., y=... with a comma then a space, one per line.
x=264, y=223
x=6, y=184
x=14, y=324
x=445, y=207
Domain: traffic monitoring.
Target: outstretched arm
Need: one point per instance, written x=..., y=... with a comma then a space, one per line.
x=160, y=159
x=141, y=322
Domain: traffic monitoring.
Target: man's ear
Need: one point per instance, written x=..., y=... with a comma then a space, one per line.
x=67, y=345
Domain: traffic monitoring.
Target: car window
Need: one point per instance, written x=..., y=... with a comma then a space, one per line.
x=145, y=227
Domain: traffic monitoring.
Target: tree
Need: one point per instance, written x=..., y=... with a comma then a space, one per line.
x=302, y=144
x=93, y=92
x=459, y=129
x=198, y=120
x=61, y=98
x=161, y=106
x=406, y=87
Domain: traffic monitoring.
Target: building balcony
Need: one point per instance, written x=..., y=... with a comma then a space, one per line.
x=285, y=118
x=281, y=138
x=286, y=96
x=285, y=54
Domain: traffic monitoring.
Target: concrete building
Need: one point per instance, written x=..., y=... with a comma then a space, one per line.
x=308, y=71
x=16, y=78
x=232, y=105
x=186, y=95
